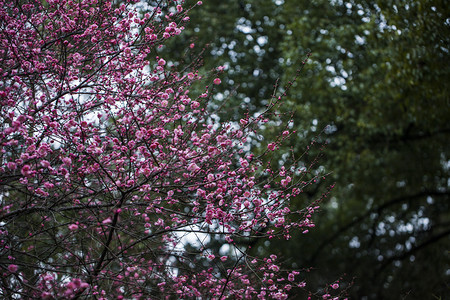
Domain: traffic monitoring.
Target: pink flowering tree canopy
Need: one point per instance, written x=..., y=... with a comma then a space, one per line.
x=114, y=176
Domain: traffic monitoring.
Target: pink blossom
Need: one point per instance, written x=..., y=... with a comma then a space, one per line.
x=13, y=268
x=107, y=221
x=193, y=167
x=286, y=181
x=46, y=295
x=271, y=146
x=73, y=227
x=26, y=170
x=195, y=105
x=161, y=62
x=141, y=154
x=244, y=162
x=67, y=161
x=43, y=149
x=48, y=185
x=11, y=165
x=140, y=134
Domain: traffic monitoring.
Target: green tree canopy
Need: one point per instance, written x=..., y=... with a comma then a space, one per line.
x=378, y=78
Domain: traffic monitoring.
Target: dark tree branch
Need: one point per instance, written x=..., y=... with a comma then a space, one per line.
x=377, y=210
x=404, y=255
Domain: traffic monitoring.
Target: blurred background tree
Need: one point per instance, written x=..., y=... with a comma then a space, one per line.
x=241, y=37
x=378, y=78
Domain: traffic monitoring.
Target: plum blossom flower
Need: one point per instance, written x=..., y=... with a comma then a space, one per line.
x=73, y=227
x=140, y=134
x=195, y=105
x=26, y=170
x=13, y=268
x=193, y=167
x=244, y=162
x=217, y=81
x=43, y=149
x=161, y=62
x=67, y=161
x=285, y=182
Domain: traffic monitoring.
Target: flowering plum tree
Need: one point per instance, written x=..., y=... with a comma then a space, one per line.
x=114, y=176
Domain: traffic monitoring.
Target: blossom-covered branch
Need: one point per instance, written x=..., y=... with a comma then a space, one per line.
x=113, y=174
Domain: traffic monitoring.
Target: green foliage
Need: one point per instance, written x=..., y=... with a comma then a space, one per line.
x=378, y=77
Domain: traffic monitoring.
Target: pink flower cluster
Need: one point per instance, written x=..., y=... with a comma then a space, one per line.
x=113, y=165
